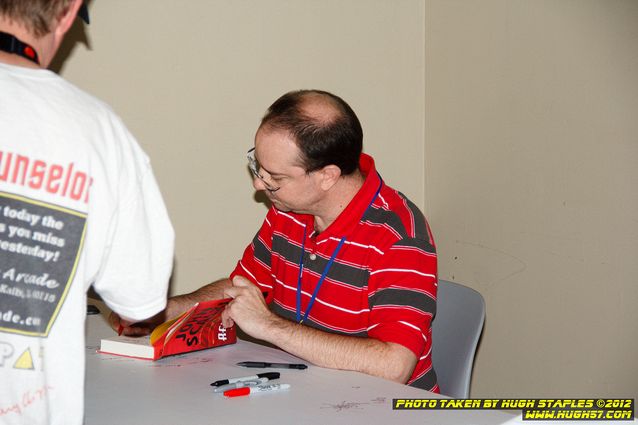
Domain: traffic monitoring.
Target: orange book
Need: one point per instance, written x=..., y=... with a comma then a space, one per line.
x=197, y=329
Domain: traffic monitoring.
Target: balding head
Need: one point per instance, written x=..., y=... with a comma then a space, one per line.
x=320, y=108
x=323, y=125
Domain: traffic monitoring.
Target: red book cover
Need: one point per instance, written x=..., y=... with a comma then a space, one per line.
x=198, y=328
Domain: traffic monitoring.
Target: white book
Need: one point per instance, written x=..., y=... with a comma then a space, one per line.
x=129, y=346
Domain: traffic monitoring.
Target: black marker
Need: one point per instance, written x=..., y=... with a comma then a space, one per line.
x=269, y=375
x=275, y=365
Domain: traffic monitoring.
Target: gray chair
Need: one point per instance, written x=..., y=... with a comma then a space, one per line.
x=456, y=329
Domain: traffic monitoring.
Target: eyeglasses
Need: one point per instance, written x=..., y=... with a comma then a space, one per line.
x=256, y=170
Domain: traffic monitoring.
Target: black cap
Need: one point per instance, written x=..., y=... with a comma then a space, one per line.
x=84, y=12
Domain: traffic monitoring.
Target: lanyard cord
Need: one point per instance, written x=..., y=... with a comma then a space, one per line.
x=303, y=245
x=321, y=279
x=326, y=268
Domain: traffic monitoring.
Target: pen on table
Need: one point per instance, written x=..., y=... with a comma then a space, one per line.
x=256, y=389
x=269, y=375
x=275, y=365
x=240, y=384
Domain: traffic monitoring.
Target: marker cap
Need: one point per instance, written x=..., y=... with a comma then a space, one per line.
x=237, y=392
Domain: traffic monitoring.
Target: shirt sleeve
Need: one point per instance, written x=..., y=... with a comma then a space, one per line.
x=138, y=259
x=255, y=264
x=402, y=294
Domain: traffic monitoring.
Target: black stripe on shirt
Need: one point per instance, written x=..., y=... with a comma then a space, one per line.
x=420, y=229
x=403, y=297
x=426, y=382
x=376, y=215
x=347, y=274
x=422, y=244
x=262, y=253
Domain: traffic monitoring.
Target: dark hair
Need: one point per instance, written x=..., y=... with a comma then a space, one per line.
x=330, y=135
x=36, y=15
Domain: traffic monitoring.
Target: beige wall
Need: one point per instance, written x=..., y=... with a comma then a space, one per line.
x=511, y=123
x=532, y=147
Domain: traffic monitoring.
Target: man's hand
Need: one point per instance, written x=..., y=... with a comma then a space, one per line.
x=174, y=307
x=132, y=328
x=248, y=308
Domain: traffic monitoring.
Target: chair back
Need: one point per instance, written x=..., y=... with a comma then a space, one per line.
x=456, y=329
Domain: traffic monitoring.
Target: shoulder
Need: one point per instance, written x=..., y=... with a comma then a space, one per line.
x=100, y=125
x=396, y=213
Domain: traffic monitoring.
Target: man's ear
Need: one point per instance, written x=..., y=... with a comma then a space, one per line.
x=66, y=19
x=329, y=176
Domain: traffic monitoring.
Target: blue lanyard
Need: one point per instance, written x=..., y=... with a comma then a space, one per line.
x=321, y=279
x=325, y=269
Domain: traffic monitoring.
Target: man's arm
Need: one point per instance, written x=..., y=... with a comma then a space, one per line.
x=368, y=355
x=213, y=291
x=174, y=307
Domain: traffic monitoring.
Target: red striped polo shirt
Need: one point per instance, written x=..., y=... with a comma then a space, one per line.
x=382, y=283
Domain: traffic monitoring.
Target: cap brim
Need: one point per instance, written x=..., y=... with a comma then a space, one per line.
x=84, y=13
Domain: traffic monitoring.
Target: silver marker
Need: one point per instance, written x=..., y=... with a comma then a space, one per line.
x=239, y=384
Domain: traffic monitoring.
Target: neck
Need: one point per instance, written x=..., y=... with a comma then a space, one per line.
x=337, y=199
x=12, y=59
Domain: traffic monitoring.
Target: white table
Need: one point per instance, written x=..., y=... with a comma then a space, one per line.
x=176, y=390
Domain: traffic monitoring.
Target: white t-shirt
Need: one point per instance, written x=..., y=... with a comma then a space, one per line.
x=78, y=205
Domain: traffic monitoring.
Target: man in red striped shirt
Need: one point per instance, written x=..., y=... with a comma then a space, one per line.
x=348, y=263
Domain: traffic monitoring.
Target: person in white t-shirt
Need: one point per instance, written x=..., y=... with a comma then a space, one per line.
x=79, y=205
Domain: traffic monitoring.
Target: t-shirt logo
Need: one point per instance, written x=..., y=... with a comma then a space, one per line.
x=40, y=245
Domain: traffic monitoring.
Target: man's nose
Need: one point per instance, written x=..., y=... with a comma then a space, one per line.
x=259, y=184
